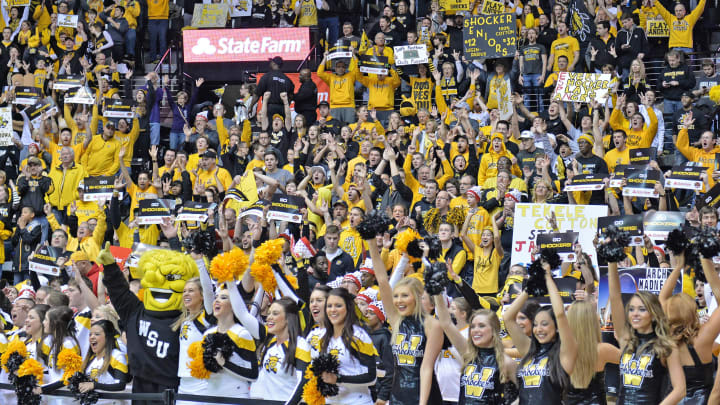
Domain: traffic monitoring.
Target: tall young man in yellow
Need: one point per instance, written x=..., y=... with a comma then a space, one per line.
x=680, y=24
x=342, y=88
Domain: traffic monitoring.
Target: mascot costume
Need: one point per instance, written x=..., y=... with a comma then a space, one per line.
x=153, y=347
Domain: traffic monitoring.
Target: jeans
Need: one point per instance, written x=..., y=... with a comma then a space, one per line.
x=383, y=116
x=332, y=24
x=344, y=114
x=44, y=226
x=670, y=106
x=158, y=37
x=130, y=39
x=532, y=88
x=60, y=216
x=20, y=276
x=176, y=139
x=154, y=133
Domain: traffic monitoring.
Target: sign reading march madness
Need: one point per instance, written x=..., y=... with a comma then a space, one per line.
x=245, y=45
x=489, y=36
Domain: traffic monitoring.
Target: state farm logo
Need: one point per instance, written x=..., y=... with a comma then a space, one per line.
x=245, y=45
x=266, y=45
x=204, y=47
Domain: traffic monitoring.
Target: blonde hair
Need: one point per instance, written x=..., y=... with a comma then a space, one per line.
x=683, y=322
x=585, y=324
x=110, y=314
x=662, y=345
x=186, y=314
x=472, y=351
x=416, y=289
x=549, y=190
x=641, y=72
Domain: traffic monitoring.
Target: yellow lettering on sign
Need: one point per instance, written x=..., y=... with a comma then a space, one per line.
x=493, y=7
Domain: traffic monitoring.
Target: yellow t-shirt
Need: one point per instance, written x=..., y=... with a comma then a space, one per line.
x=485, y=279
x=564, y=46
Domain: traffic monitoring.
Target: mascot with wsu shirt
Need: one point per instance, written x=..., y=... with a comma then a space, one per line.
x=153, y=347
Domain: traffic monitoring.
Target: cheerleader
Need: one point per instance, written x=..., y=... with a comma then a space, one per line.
x=694, y=341
x=317, y=305
x=587, y=380
x=351, y=344
x=485, y=366
x=648, y=354
x=105, y=363
x=447, y=366
x=548, y=356
x=417, y=339
x=34, y=334
x=59, y=336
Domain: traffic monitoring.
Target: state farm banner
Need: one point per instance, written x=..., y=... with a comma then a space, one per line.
x=531, y=221
x=582, y=87
x=245, y=45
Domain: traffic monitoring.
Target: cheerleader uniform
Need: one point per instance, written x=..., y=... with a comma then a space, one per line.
x=356, y=374
x=82, y=321
x=190, y=331
x=274, y=382
x=6, y=396
x=408, y=349
x=698, y=380
x=113, y=379
x=54, y=375
x=233, y=380
x=480, y=381
x=594, y=394
x=447, y=370
x=641, y=376
x=534, y=380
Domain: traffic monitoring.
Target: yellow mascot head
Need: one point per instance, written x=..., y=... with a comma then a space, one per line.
x=164, y=273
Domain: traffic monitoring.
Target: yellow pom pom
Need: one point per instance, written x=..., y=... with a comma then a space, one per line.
x=404, y=238
x=15, y=346
x=269, y=252
x=292, y=280
x=229, y=265
x=196, y=365
x=31, y=367
x=70, y=362
x=264, y=275
x=311, y=395
x=241, y=261
x=715, y=94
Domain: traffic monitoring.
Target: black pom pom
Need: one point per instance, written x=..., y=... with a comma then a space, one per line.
x=201, y=242
x=707, y=242
x=550, y=257
x=510, y=393
x=677, y=242
x=615, y=234
x=413, y=248
x=13, y=364
x=435, y=247
x=374, y=224
x=24, y=390
x=536, y=286
x=436, y=278
x=611, y=252
x=326, y=363
x=213, y=344
x=692, y=260
x=87, y=398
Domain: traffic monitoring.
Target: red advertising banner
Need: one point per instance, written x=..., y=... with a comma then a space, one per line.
x=323, y=89
x=245, y=45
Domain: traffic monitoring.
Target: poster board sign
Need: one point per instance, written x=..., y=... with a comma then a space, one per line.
x=632, y=224
x=632, y=280
x=489, y=36
x=66, y=82
x=410, y=55
x=241, y=8
x=641, y=183
x=658, y=224
x=44, y=261
x=455, y=5
x=26, y=95
x=587, y=182
x=286, y=208
x=566, y=289
x=711, y=198
x=582, y=87
x=563, y=243
x=194, y=211
x=621, y=171
x=44, y=107
x=117, y=109
x=493, y=7
x=531, y=221
x=67, y=20
x=81, y=95
x=373, y=64
x=255, y=209
x=6, y=129
x=99, y=188
x=154, y=211
x=657, y=28
x=17, y=3
x=341, y=50
x=642, y=156
x=210, y=15
x=685, y=177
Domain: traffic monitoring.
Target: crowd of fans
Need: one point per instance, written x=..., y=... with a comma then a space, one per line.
x=444, y=150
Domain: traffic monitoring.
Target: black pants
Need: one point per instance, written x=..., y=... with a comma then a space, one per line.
x=143, y=386
x=273, y=109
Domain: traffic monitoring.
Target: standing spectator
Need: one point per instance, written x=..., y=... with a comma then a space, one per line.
x=132, y=12
x=306, y=97
x=275, y=82
x=546, y=34
x=181, y=111
x=329, y=21
x=342, y=88
x=307, y=13
x=700, y=122
x=533, y=64
x=675, y=79
x=32, y=187
x=602, y=48
x=117, y=27
x=707, y=80
x=26, y=237
x=680, y=24
x=564, y=45
x=631, y=43
x=158, y=12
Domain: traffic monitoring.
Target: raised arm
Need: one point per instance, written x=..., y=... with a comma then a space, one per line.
x=517, y=334
x=616, y=304
x=568, y=344
x=383, y=282
x=451, y=331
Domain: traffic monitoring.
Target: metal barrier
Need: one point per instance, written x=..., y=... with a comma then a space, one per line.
x=167, y=397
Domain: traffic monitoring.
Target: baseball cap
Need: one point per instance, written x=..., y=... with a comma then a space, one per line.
x=209, y=154
x=688, y=93
x=339, y=201
x=79, y=256
x=277, y=116
x=527, y=135
x=323, y=104
x=277, y=60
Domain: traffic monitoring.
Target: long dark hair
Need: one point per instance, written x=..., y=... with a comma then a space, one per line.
x=292, y=318
x=351, y=320
x=41, y=310
x=61, y=327
x=558, y=376
x=110, y=333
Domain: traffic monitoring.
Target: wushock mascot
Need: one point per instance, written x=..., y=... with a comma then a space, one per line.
x=153, y=346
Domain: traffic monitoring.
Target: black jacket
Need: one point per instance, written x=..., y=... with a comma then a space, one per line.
x=384, y=361
x=32, y=192
x=341, y=265
x=683, y=75
x=275, y=82
x=638, y=44
x=25, y=241
x=306, y=97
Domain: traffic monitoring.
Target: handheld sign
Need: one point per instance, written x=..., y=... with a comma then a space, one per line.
x=6, y=130
x=582, y=87
x=154, y=211
x=658, y=224
x=641, y=183
x=632, y=224
x=66, y=82
x=98, y=188
x=642, y=156
x=586, y=182
x=194, y=211
x=493, y=7
x=256, y=209
x=489, y=36
x=632, y=280
x=210, y=15
x=566, y=290
x=286, y=208
x=657, y=28
x=410, y=55
x=44, y=261
x=455, y=5
x=81, y=95
x=711, y=198
x=26, y=95
x=685, y=177
x=374, y=64
x=341, y=50
x=67, y=20
x=622, y=171
x=563, y=244
x=35, y=112
x=117, y=109
x=241, y=8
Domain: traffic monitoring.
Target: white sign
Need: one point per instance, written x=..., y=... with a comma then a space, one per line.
x=582, y=87
x=531, y=220
x=6, y=129
x=67, y=20
x=83, y=95
x=410, y=55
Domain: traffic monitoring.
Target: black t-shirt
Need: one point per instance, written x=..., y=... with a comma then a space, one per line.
x=532, y=58
x=593, y=165
x=700, y=125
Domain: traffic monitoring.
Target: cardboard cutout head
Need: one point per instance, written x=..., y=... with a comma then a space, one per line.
x=164, y=273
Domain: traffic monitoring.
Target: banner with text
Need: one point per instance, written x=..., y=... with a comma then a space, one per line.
x=44, y=261
x=642, y=156
x=210, y=15
x=66, y=82
x=455, y=5
x=657, y=28
x=632, y=224
x=6, y=129
x=632, y=280
x=98, y=188
x=118, y=109
x=286, y=208
x=26, y=95
x=154, y=211
x=621, y=171
x=194, y=211
x=42, y=108
x=582, y=87
x=493, y=7
x=410, y=55
x=489, y=36
x=563, y=243
x=658, y=224
x=641, y=183
x=67, y=20
x=685, y=177
x=373, y=64
x=586, y=182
